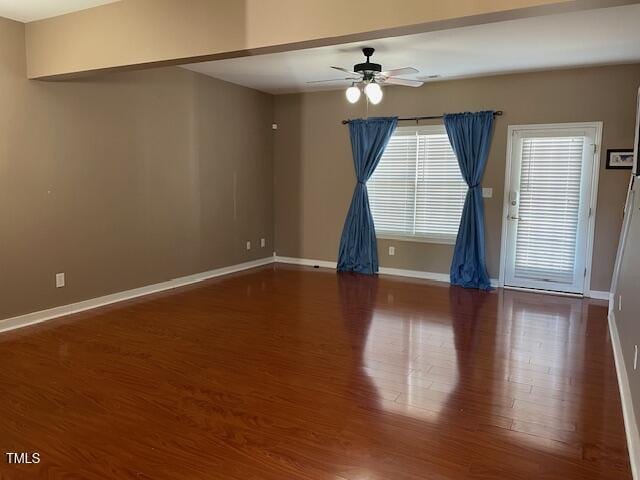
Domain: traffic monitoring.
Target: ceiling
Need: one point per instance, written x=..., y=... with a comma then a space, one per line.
x=593, y=37
x=30, y=10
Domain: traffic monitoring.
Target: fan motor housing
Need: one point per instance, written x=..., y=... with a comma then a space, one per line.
x=367, y=67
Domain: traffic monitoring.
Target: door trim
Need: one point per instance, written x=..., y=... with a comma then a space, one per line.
x=593, y=199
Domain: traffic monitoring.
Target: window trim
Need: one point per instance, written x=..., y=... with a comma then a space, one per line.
x=434, y=239
x=444, y=240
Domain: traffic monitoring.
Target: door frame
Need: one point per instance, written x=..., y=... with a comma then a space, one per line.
x=593, y=198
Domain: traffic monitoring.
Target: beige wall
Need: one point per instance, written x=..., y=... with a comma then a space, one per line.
x=131, y=33
x=626, y=317
x=125, y=180
x=314, y=177
x=129, y=179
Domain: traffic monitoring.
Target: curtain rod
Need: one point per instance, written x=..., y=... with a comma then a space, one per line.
x=428, y=117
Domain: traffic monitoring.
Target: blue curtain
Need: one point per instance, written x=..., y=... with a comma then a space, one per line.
x=358, y=246
x=470, y=137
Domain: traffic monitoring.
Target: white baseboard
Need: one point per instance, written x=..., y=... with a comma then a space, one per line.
x=56, y=312
x=305, y=261
x=400, y=272
x=599, y=295
x=630, y=425
x=438, y=277
x=44, y=315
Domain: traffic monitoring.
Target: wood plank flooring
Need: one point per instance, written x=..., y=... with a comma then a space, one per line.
x=286, y=372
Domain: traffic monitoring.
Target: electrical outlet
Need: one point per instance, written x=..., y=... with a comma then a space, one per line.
x=392, y=251
x=487, y=192
x=248, y=245
x=635, y=358
x=619, y=303
x=263, y=242
x=59, y=280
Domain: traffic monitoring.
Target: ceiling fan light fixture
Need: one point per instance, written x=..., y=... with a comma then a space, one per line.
x=373, y=92
x=353, y=93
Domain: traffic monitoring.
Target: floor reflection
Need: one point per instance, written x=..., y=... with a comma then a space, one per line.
x=512, y=365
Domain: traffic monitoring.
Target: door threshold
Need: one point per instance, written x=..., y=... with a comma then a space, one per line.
x=547, y=292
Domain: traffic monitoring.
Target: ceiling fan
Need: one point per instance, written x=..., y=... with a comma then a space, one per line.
x=368, y=77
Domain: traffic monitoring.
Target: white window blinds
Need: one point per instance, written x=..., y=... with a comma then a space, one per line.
x=550, y=182
x=417, y=190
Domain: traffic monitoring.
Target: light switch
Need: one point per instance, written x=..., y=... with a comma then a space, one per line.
x=487, y=192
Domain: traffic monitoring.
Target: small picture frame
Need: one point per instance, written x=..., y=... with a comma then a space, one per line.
x=620, y=158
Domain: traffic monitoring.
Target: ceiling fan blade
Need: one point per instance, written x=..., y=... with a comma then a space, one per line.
x=399, y=71
x=350, y=72
x=403, y=81
x=335, y=80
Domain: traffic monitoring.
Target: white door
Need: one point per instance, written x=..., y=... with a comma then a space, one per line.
x=549, y=206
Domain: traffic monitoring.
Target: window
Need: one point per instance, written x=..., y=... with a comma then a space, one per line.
x=417, y=191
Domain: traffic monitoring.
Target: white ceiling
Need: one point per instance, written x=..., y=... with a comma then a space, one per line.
x=594, y=37
x=30, y=10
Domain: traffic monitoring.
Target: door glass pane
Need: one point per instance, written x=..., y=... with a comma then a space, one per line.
x=549, y=205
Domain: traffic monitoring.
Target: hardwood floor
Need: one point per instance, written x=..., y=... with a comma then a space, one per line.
x=287, y=372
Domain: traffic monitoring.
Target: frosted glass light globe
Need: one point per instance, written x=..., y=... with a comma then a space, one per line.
x=373, y=92
x=353, y=94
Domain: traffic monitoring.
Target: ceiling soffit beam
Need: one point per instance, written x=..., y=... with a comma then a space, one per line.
x=136, y=34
